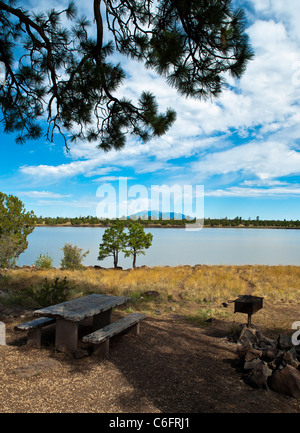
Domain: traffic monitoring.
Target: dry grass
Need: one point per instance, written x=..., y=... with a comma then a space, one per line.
x=193, y=283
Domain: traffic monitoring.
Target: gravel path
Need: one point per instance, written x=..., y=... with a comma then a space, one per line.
x=171, y=367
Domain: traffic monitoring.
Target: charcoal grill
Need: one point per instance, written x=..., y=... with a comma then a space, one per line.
x=248, y=304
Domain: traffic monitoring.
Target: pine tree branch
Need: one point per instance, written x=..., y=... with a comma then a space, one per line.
x=28, y=22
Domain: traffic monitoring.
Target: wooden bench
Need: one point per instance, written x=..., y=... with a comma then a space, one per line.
x=100, y=338
x=34, y=329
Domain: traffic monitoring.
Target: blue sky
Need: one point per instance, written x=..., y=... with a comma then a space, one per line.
x=243, y=147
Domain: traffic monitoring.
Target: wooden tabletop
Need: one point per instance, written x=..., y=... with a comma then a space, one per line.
x=82, y=308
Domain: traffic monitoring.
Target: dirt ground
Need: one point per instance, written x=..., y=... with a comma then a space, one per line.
x=171, y=367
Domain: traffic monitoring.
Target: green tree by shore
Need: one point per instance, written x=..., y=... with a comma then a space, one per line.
x=15, y=225
x=137, y=241
x=113, y=241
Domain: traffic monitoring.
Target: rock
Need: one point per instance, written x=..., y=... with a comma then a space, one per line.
x=270, y=354
x=269, y=362
x=286, y=381
x=284, y=342
x=272, y=365
x=248, y=353
x=35, y=369
x=80, y=353
x=290, y=357
x=206, y=300
x=152, y=293
x=248, y=336
x=177, y=316
x=258, y=377
x=212, y=320
x=253, y=364
x=252, y=354
x=265, y=342
x=241, y=351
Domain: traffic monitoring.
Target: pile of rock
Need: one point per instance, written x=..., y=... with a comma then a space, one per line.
x=267, y=363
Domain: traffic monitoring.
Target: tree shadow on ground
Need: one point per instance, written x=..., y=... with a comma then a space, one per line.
x=180, y=369
x=171, y=367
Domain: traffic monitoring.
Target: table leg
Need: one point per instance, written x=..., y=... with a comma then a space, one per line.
x=102, y=319
x=66, y=334
x=34, y=337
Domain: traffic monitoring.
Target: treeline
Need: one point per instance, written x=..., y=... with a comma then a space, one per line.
x=208, y=222
x=240, y=222
x=51, y=221
x=92, y=220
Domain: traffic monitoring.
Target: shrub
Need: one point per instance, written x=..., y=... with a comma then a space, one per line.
x=51, y=292
x=44, y=261
x=73, y=257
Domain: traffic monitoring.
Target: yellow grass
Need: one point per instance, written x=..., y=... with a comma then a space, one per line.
x=190, y=283
x=196, y=292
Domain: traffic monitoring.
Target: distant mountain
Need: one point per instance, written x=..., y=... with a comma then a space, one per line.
x=157, y=215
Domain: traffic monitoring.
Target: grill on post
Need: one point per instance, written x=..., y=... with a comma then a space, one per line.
x=249, y=305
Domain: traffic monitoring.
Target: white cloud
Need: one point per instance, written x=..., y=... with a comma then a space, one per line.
x=84, y=204
x=42, y=194
x=264, y=160
x=253, y=192
x=264, y=182
x=74, y=168
x=101, y=171
x=111, y=178
x=284, y=11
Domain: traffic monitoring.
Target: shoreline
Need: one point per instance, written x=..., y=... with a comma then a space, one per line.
x=32, y=267
x=157, y=226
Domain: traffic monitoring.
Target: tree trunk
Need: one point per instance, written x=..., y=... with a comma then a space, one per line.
x=134, y=260
x=115, y=259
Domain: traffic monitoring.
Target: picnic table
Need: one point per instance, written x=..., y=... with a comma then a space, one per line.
x=69, y=314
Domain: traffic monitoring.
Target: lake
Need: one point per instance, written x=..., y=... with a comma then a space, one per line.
x=172, y=247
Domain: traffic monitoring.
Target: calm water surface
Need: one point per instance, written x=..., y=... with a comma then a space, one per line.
x=175, y=246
